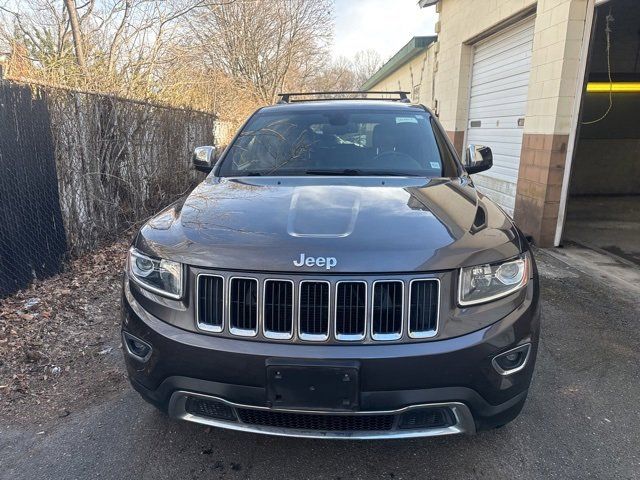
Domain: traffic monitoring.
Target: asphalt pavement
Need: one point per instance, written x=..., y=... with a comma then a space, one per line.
x=582, y=419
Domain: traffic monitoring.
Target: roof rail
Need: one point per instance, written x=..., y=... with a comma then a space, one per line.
x=353, y=95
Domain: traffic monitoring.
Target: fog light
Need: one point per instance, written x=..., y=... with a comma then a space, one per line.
x=512, y=361
x=135, y=347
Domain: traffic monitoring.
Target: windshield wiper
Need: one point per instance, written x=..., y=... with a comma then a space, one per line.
x=355, y=172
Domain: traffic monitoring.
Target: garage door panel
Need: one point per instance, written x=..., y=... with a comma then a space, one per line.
x=518, y=68
x=497, y=104
x=500, y=83
x=507, y=135
x=495, y=111
x=504, y=42
x=504, y=153
x=502, y=56
x=518, y=58
x=498, y=98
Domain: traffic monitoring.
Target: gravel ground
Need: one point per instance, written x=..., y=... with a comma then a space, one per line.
x=581, y=419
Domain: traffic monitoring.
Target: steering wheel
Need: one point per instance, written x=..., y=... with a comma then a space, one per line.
x=397, y=160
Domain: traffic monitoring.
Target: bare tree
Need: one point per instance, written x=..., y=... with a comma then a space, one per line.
x=365, y=64
x=76, y=32
x=271, y=45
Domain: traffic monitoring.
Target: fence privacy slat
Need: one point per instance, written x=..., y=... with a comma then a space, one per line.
x=78, y=169
x=32, y=238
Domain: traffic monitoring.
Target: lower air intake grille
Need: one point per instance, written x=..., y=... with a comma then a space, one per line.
x=314, y=310
x=301, y=421
x=209, y=408
x=210, y=303
x=278, y=308
x=243, y=311
x=351, y=310
x=387, y=310
x=423, y=314
x=427, y=418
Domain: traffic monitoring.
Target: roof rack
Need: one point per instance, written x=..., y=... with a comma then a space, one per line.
x=354, y=95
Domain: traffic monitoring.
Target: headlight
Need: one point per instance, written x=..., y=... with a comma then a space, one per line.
x=484, y=283
x=160, y=276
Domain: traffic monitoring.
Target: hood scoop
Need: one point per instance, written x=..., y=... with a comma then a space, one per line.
x=318, y=211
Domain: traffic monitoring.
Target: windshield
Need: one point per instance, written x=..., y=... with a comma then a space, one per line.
x=338, y=142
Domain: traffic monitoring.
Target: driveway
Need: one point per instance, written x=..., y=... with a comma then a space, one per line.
x=582, y=419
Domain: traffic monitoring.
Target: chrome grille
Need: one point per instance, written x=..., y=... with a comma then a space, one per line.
x=351, y=310
x=423, y=311
x=211, y=303
x=313, y=310
x=278, y=309
x=243, y=306
x=388, y=298
x=335, y=309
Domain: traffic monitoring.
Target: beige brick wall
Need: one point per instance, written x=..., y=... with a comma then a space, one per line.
x=555, y=63
x=417, y=71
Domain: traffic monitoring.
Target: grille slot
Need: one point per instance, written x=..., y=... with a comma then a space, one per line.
x=243, y=306
x=313, y=310
x=387, y=310
x=424, y=306
x=210, y=303
x=278, y=309
x=351, y=310
x=204, y=407
x=439, y=417
x=301, y=421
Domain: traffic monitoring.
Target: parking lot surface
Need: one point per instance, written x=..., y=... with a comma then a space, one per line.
x=581, y=420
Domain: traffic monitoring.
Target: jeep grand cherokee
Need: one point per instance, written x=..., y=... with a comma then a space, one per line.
x=336, y=275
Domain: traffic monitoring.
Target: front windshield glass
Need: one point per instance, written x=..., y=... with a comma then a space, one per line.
x=337, y=142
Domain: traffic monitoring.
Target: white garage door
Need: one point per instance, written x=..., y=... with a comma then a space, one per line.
x=501, y=66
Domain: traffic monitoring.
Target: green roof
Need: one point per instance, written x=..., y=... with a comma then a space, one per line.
x=405, y=54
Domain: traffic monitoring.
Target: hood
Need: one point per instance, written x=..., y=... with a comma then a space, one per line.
x=366, y=224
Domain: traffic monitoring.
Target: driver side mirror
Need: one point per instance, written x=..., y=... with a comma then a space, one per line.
x=477, y=158
x=204, y=158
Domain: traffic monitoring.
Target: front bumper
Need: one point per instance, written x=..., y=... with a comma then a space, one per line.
x=455, y=374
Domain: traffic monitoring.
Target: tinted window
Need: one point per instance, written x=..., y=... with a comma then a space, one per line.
x=340, y=141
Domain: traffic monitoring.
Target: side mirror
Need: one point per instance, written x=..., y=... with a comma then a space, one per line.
x=477, y=158
x=204, y=158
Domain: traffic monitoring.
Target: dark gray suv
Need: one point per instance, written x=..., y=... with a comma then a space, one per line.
x=336, y=275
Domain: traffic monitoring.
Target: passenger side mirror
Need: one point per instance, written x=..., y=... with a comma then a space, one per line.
x=477, y=158
x=204, y=158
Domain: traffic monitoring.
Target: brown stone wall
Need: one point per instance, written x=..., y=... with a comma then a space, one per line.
x=457, y=138
x=539, y=184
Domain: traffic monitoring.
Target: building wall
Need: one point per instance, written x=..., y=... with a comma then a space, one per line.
x=416, y=72
x=461, y=21
x=557, y=50
x=557, y=47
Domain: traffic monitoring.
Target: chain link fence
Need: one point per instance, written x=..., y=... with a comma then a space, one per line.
x=78, y=169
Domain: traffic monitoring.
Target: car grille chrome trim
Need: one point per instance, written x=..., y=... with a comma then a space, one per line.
x=206, y=303
x=220, y=308
x=388, y=313
x=346, y=315
x=464, y=422
x=419, y=327
x=276, y=308
x=314, y=306
x=243, y=312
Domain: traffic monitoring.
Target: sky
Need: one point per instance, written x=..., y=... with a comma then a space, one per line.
x=383, y=25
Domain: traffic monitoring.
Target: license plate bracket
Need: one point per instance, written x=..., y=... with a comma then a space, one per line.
x=313, y=385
